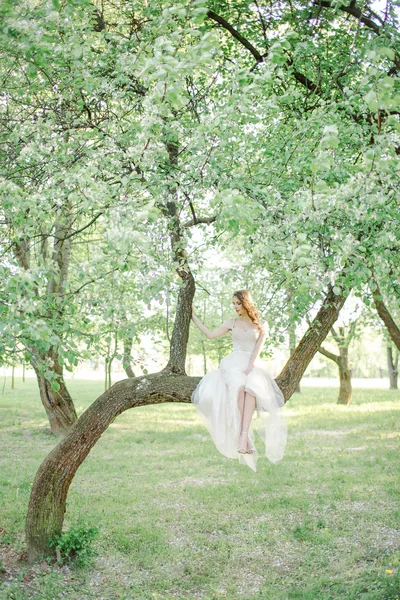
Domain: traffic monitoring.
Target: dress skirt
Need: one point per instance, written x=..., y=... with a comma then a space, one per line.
x=216, y=402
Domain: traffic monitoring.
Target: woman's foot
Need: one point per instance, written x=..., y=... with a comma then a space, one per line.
x=243, y=443
x=250, y=448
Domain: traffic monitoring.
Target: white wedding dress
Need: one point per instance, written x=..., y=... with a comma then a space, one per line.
x=216, y=400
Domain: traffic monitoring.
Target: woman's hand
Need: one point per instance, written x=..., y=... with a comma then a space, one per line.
x=249, y=368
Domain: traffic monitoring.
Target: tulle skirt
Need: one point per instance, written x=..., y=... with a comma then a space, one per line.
x=216, y=402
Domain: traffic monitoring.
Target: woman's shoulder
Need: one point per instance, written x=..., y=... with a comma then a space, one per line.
x=229, y=323
x=263, y=325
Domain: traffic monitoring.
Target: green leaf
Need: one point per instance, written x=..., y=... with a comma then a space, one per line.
x=77, y=52
x=55, y=386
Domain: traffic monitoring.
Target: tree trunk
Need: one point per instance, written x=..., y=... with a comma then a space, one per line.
x=392, y=368
x=292, y=345
x=342, y=361
x=58, y=404
x=203, y=347
x=345, y=389
x=183, y=315
x=106, y=386
x=291, y=375
x=109, y=367
x=386, y=317
x=127, y=359
x=50, y=488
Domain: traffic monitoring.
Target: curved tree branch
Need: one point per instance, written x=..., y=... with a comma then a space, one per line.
x=356, y=12
x=224, y=23
x=47, y=503
x=330, y=355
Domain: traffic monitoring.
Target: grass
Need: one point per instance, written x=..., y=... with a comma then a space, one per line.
x=180, y=521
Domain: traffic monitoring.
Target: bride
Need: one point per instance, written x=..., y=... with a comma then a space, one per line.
x=228, y=398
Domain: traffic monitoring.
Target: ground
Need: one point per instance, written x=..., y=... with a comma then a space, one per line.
x=177, y=520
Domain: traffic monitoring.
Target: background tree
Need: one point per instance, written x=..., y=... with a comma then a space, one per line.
x=343, y=340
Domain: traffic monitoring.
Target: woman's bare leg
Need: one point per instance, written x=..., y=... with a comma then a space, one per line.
x=248, y=410
x=241, y=405
x=241, y=408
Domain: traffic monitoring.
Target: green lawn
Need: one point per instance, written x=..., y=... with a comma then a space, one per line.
x=180, y=521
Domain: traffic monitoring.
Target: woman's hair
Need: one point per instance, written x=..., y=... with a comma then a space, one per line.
x=246, y=301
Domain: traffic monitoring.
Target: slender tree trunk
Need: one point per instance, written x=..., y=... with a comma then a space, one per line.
x=183, y=315
x=109, y=367
x=342, y=361
x=23, y=373
x=392, y=367
x=12, y=377
x=105, y=375
x=204, y=357
x=127, y=359
x=58, y=405
x=345, y=389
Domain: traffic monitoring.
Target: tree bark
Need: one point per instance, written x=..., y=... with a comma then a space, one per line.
x=292, y=346
x=392, y=367
x=345, y=389
x=327, y=315
x=180, y=332
x=58, y=405
x=342, y=361
x=386, y=317
x=127, y=359
x=203, y=348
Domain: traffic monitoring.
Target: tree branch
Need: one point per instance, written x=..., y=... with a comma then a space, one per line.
x=82, y=228
x=351, y=9
x=197, y=220
x=221, y=21
x=330, y=355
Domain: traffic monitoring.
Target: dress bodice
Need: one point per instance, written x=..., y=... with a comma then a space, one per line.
x=244, y=337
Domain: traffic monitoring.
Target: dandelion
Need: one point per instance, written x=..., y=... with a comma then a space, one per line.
x=389, y=571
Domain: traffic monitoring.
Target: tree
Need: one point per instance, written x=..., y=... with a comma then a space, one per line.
x=393, y=366
x=343, y=339
x=172, y=111
x=220, y=138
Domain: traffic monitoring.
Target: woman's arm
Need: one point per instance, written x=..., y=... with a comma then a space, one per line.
x=224, y=328
x=256, y=351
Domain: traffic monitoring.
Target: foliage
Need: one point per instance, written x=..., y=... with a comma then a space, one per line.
x=288, y=144
x=75, y=544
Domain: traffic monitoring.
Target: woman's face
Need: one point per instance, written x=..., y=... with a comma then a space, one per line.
x=239, y=308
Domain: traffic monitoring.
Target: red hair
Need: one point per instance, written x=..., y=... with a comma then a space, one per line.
x=246, y=301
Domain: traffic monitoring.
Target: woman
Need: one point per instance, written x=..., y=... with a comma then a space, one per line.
x=226, y=398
